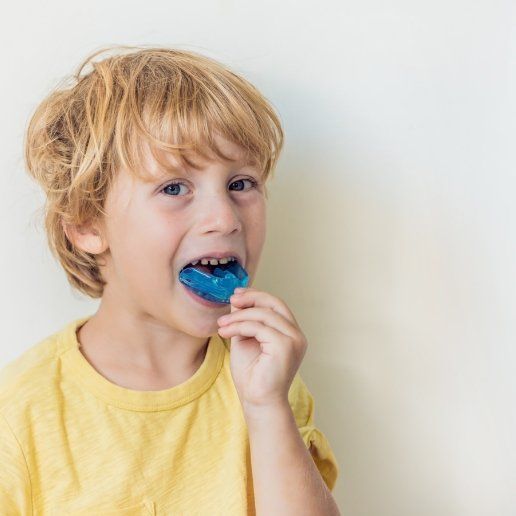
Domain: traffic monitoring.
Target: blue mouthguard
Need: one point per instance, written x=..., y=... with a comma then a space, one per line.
x=219, y=286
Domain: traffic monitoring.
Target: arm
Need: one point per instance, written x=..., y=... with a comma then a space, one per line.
x=286, y=479
x=267, y=347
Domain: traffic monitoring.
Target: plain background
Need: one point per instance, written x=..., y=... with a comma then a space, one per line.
x=391, y=229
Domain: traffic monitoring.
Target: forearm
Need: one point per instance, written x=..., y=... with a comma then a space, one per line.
x=285, y=477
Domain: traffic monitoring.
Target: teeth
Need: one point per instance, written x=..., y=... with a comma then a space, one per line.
x=214, y=261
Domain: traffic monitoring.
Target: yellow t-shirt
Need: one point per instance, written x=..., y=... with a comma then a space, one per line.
x=74, y=443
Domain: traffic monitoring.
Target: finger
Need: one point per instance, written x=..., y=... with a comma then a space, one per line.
x=268, y=337
x=264, y=315
x=249, y=298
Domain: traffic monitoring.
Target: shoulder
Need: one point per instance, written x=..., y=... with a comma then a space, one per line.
x=23, y=378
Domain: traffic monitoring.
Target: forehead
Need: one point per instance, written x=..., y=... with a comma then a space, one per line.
x=167, y=164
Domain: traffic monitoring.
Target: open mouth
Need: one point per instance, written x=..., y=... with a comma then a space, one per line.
x=214, y=282
x=208, y=267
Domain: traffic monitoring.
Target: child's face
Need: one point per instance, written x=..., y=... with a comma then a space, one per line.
x=154, y=229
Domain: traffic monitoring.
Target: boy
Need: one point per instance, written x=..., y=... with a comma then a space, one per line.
x=161, y=402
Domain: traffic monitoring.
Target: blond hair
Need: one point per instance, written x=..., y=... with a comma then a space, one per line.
x=163, y=99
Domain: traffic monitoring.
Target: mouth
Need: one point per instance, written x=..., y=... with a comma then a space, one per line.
x=214, y=279
x=209, y=263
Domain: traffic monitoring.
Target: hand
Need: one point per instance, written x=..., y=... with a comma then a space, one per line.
x=267, y=347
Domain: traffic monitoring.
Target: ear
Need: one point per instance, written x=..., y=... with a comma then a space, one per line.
x=87, y=237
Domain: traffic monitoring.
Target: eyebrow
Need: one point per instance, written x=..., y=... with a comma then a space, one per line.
x=164, y=172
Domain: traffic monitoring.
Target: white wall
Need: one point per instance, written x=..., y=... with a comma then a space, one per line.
x=392, y=222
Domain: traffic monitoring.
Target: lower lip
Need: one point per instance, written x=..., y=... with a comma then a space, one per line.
x=201, y=300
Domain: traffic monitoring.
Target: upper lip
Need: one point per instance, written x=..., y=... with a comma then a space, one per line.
x=216, y=254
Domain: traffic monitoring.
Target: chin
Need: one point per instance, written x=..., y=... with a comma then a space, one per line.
x=202, y=328
x=204, y=334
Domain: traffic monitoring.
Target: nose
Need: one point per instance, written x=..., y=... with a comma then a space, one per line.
x=220, y=214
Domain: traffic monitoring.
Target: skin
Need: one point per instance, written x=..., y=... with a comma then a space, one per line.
x=148, y=333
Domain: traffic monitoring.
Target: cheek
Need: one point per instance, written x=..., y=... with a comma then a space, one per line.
x=259, y=235
x=258, y=222
x=147, y=243
x=256, y=235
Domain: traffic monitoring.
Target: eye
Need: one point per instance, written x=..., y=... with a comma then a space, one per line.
x=252, y=181
x=175, y=186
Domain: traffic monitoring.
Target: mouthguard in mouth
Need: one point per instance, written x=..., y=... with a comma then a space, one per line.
x=217, y=286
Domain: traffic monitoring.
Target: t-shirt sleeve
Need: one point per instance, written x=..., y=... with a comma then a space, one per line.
x=15, y=494
x=302, y=403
